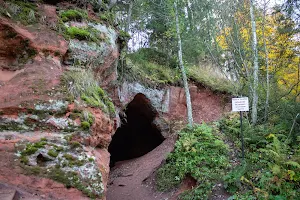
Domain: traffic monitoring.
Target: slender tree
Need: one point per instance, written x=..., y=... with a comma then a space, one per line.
x=255, y=65
x=184, y=78
x=266, y=61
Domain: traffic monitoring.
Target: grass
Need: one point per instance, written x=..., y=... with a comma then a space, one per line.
x=53, y=153
x=208, y=77
x=199, y=153
x=25, y=12
x=152, y=68
x=78, y=33
x=149, y=74
x=88, y=33
x=75, y=15
x=82, y=84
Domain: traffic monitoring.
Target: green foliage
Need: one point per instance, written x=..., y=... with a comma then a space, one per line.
x=108, y=17
x=124, y=35
x=150, y=74
x=25, y=12
x=53, y=153
x=76, y=15
x=208, y=78
x=153, y=56
x=271, y=169
x=69, y=157
x=24, y=159
x=75, y=144
x=78, y=33
x=82, y=84
x=85, y=125
x=31, y=148
x=200, y=153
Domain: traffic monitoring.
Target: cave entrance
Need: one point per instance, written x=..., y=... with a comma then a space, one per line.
x=137, y=135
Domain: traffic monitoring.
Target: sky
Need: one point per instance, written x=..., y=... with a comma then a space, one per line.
x=271, y=3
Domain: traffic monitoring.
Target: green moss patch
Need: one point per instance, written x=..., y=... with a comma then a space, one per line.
x=78, y=33
x=71, y=166
x=75, y=15
x=25, y=12
x=83, y=85
x=85, y=125
x=52, y=153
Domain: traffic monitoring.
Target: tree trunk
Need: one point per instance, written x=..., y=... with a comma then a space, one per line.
x=184, y=78
x=129, y=16
x=267, y=65
x=255, y=65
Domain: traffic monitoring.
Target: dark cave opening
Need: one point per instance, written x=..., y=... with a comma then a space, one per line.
x=137, y=135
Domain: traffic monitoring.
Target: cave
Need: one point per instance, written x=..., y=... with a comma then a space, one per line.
x=137, y=134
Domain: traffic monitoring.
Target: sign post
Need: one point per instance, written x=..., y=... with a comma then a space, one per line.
x=241, y=105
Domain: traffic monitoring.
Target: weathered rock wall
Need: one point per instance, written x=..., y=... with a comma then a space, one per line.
x=171, y=102
x=56, y=121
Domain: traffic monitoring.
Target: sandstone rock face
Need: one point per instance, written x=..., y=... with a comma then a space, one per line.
x=52, y=138
x=171, y=103
x=160, y=98
x=207, y=105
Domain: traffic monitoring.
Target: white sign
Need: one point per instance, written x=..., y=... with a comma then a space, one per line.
x=240, y=104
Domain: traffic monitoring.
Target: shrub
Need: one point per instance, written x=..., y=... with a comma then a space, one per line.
x=198, y=153
x=271, y=169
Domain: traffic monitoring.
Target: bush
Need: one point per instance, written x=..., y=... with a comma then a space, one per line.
x=198, y=153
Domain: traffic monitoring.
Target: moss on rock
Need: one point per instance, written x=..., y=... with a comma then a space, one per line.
x=72, y=14
x=82, y=84
x=70, y=166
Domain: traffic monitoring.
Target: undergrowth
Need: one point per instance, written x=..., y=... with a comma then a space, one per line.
x=208, y=78
x=271, y=169
x=199, y=153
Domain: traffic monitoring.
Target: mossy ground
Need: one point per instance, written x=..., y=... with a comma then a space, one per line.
x=153, y=68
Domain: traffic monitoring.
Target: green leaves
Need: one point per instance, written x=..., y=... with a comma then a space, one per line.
x=198, y=153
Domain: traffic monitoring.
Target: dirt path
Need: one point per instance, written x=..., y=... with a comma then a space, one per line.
x=135, y=179
x=132, y=179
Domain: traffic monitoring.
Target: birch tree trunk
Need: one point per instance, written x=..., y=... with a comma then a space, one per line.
x=184, y=78
x=129, y=16
x=267, y=64
x=255, y=65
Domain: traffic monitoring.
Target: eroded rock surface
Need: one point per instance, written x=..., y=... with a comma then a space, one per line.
x=55, y=123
